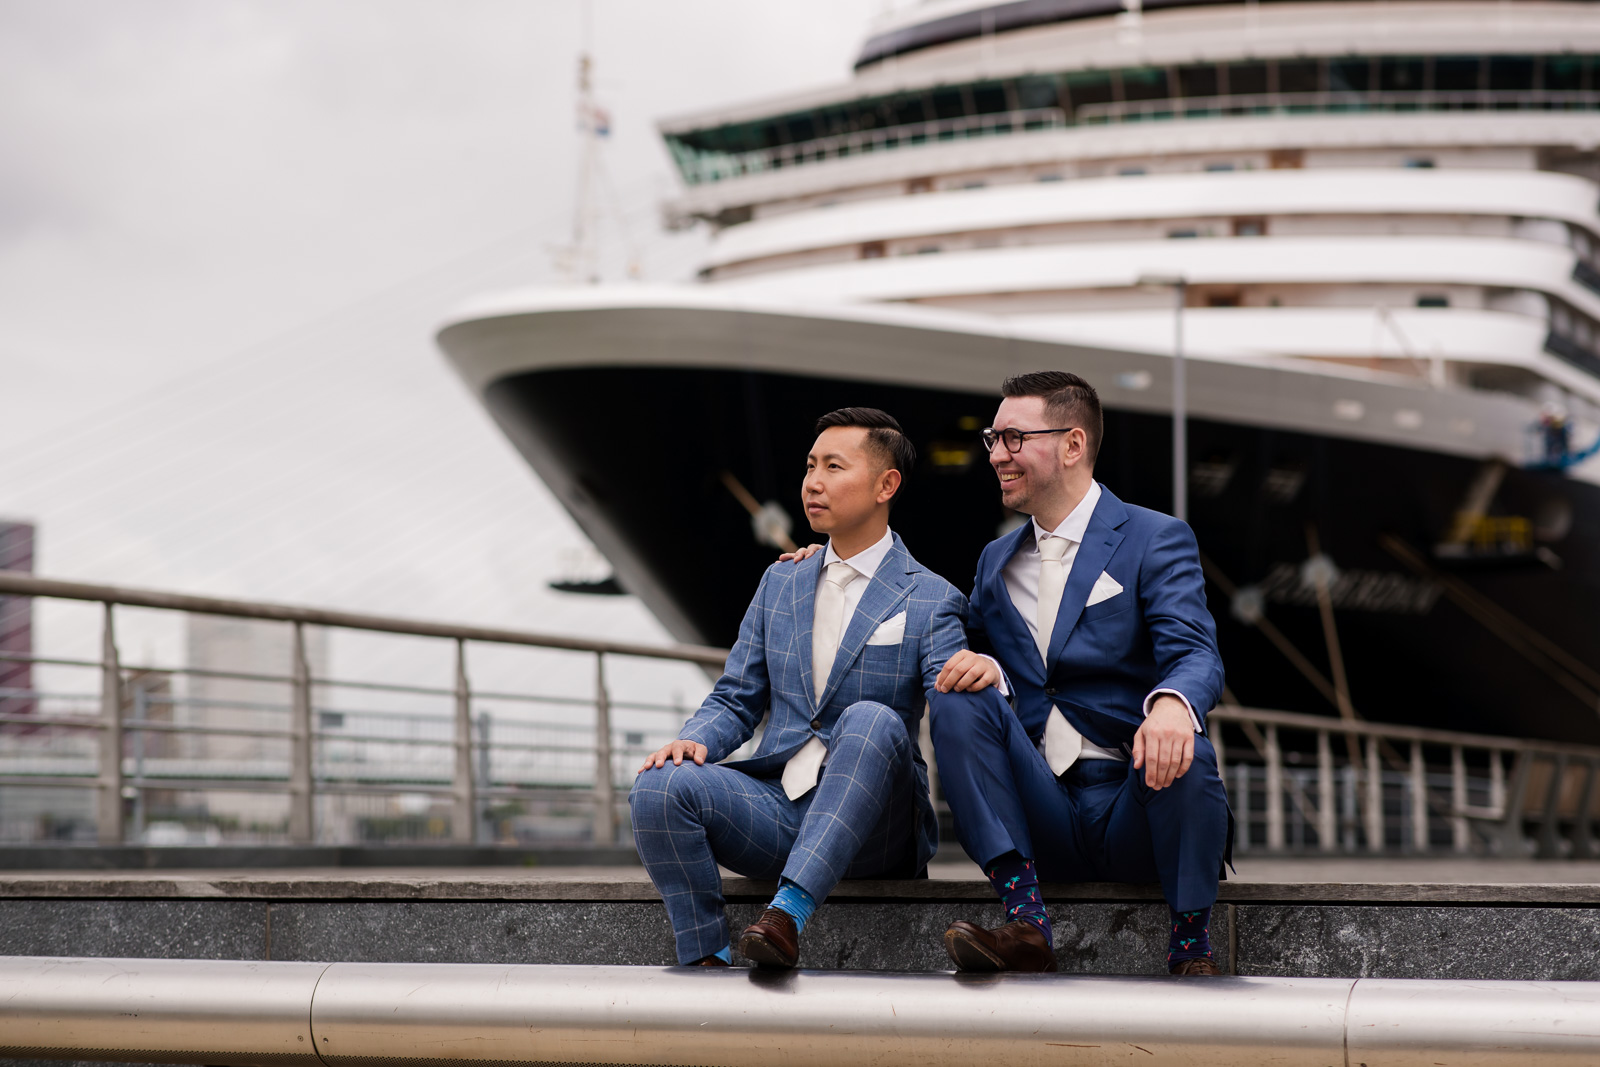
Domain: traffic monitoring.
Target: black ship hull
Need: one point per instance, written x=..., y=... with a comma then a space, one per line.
x=641, y=454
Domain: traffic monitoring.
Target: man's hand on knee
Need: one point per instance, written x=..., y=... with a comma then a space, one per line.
x=675, y=751
x=1164, y=745
x=967, y=672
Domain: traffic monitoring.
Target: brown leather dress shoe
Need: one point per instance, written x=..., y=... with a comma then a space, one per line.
x=1203, y=965
x=1018, y=946
x=771, y=941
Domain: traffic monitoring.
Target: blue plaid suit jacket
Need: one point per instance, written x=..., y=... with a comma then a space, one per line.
x=769, y=669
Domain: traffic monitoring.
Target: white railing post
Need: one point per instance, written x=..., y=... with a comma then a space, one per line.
x=605, y=814
x=1374, y=805
x=1419, y=799
x=1274, y=756
x=302, y=828
x=1327, y=815
x=108, y=812
x=464, y=811
x=1460, y=834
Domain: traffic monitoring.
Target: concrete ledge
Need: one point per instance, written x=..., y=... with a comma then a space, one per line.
x=594, y=885
x=606, y=916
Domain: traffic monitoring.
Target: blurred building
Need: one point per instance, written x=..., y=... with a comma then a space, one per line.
x=239, y=678
x=16, y=623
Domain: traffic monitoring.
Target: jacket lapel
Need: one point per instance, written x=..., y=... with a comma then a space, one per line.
x=890, y=584
x=1100, y=541
x=805, y=614
x=997, y=592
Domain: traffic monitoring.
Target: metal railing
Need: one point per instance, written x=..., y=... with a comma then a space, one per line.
x=108, y=769
x=1298, y=783
x=698, y=166
x=316, y=1014
x=1404, y=789
x=703, y=165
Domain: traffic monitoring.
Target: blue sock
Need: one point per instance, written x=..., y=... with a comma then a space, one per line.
x=1191, y=935
x=1017, y=881
x=725, y=954
x=796, y=901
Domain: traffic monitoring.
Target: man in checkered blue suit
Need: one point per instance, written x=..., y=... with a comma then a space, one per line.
x=838, y=652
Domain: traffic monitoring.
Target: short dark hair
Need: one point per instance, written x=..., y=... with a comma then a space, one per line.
x=885, y=439
x=1068, y=401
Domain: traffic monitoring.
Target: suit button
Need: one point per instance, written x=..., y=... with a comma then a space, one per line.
x=816, y=724
x=1049, y=692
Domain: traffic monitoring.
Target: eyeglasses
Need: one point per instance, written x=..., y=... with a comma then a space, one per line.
x=1013, y=438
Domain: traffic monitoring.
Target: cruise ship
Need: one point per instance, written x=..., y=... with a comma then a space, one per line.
x=1376, y=225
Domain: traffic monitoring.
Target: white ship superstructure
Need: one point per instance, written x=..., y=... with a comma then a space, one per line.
x=1385, y=218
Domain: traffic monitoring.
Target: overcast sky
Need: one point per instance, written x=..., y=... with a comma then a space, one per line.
x=228, y=229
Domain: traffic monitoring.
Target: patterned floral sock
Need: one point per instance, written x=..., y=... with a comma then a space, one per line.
x=1191, y=935
x=1017, y=881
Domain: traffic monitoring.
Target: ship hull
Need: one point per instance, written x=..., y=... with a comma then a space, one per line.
x=639, y=454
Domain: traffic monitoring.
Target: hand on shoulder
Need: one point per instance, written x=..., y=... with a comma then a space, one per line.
x=800, y=554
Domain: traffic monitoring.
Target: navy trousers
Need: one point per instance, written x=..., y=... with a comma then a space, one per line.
x=1098, y=823
x=858, y=822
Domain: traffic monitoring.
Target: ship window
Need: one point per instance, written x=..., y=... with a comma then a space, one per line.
x=1510, y=73
x=1349, y=75
x=1249, y=227
x=1402, y=75
x=1198, y=81
x=1419, y=163
x=905, y=110
x=1457, y=74
x=1565, y=73
x=1130, y=172
x=1183, y=233
x=1247, y=79
x=1089, y=87
x=1145, y=83
x=874, y=250
x=947, y=104
x=1049, y=178
x=989, y=99
x=1217, y=168
x=1433, y=300
x=1035, y=92
x=1299, y=76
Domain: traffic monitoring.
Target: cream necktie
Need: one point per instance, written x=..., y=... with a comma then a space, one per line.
x=1062, y=743
x=827, y=628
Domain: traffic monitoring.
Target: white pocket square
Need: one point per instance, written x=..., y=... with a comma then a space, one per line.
x=1105, y=587
x=890, y=632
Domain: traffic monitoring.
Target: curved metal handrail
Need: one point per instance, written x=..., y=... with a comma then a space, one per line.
x=360, y=1014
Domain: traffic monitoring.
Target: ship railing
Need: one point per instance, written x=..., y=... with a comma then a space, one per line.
x=1334, y=101
x=1298, y=782
x=701, y=166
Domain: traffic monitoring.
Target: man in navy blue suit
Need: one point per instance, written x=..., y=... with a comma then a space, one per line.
x=1099, y=770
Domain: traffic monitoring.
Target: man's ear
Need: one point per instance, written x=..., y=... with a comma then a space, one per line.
x=1074, y=446
x=888, y=485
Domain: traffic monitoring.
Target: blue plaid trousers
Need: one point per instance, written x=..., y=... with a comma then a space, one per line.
x=857, y=823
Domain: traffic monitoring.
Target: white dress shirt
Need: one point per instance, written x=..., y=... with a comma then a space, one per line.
x=865, y=563
x=1021, y=577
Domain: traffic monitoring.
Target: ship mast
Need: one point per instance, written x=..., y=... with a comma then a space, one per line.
x=579, y=260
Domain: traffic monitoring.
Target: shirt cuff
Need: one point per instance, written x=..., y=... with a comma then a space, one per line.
x=1150, y=701
x=1001, y=685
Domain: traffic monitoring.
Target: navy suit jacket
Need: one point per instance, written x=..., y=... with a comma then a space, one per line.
x=769, y=668
x=1104, y=660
